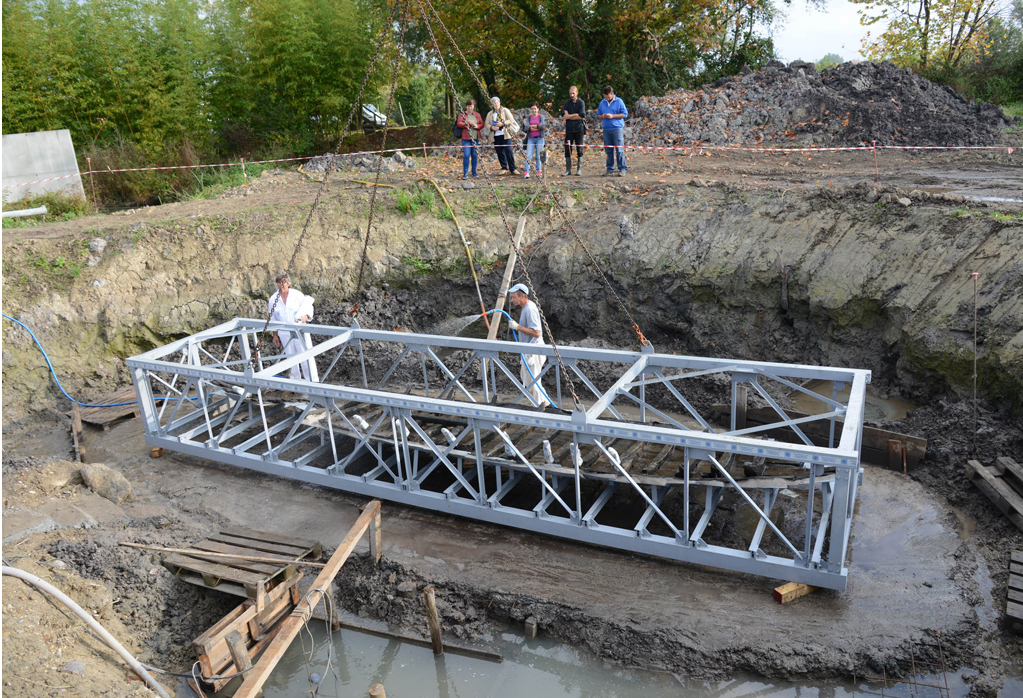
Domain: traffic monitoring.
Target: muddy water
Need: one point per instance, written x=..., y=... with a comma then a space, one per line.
x=877, y=406
x=536, y=667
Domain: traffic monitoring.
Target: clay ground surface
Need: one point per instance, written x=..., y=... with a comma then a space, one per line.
x=916, y=576
x=995, y=175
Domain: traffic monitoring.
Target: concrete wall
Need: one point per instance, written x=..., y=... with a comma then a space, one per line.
x=28, y=157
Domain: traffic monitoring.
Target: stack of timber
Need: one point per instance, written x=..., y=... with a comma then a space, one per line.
x=1003, y=485
x=106, y=417
x=241, y=577
x=1014, y=603
x=237, y=640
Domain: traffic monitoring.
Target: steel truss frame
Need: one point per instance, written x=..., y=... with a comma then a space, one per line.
x=401, y=453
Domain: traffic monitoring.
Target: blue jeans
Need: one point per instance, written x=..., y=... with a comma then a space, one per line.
x=615, y=137
x=534, y=148
x=469, y=153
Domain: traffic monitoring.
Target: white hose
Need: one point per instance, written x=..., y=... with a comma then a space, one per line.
x=91, y=622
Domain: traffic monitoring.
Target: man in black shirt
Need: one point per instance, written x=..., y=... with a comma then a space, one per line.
x=574, y=114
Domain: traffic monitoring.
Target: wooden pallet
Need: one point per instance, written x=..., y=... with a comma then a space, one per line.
x=253, y=580
x=106, y=417
x=1003, y=485
x=255, y=628
x=1014, y=603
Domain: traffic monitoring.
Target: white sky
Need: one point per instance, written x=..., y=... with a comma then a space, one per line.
x=809, y=34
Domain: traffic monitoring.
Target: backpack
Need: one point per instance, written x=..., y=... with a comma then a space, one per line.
x=456, y=130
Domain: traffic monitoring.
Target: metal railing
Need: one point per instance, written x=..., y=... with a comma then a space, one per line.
x=450, y=424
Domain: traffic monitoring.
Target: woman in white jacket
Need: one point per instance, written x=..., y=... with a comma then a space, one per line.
x=502, y=126
x=292, y=306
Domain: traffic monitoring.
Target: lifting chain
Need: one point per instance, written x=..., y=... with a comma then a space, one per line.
x=493, y=188
x=326, y=176
x=543, y=184
x=380, y=160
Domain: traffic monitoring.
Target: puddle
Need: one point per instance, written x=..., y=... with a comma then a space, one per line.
x=1000, y=199
x=877, y=406
x=986, y=610
x=537, y=667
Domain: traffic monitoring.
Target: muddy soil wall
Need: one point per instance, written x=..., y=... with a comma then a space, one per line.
x=868, y=282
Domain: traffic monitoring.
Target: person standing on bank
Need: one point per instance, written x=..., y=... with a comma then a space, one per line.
x=292, y=306
x=501, y=124
x=535, y=138
x=612, y=114
x=574, y=114
x=527, y=331
x=470, y=121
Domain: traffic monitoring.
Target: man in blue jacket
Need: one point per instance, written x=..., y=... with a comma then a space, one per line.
x=612, y=114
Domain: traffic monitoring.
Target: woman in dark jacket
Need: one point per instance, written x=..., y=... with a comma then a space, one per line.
x=470, y=122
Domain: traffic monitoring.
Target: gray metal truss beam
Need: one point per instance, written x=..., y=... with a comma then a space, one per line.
x=463, y=464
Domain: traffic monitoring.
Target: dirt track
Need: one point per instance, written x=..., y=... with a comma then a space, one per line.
x=981, y=176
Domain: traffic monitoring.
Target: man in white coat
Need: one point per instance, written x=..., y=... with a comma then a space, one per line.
x=527, y=330
x=293, y=306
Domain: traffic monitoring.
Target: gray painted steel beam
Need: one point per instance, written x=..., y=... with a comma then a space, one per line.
x=404, y=446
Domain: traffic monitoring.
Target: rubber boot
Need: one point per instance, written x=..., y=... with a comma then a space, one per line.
x=579, y=168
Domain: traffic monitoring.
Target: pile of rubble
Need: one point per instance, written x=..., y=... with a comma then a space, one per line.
x=363, y=164
x=849, y=105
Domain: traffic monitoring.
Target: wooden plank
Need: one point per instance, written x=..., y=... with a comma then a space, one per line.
x=210, y=646
x=792, y=591
x=1007, y=501
x=272, y=538
x=421, y=641
x=1011, y=472
x=264, y=570
x=76, y=432
x=1015, y=582
x=1016, y=568
x=258, y=547
x=254, y=680
x=256, y=566
x=1016, y=556
x=176, y=561
x=1016, y=595
x=1014, y=610
x=895, y=454
x=239, y=652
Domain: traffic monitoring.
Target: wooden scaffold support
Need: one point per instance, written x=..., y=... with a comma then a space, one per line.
x=292, y=625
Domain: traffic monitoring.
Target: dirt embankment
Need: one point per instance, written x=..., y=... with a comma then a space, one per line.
x=869, y=281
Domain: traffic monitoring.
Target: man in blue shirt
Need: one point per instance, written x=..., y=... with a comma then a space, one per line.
x=612, y=114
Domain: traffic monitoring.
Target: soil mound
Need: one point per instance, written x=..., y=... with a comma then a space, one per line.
x=851, y=104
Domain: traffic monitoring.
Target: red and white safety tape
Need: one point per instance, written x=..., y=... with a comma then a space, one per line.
x=690, y=149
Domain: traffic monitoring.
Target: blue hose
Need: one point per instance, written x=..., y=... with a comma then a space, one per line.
x=54, y=373
x=536, y=382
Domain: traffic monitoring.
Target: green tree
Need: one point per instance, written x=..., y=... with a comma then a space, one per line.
x=939, y=33
x=830, y=60
x=526, y=50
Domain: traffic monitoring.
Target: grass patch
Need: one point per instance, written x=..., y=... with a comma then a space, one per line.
x=1013, y=109
x=211, y=182
x=411, y=203
x=59, y=207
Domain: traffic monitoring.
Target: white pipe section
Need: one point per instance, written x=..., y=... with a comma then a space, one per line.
x=41, y=211
x=91, y=622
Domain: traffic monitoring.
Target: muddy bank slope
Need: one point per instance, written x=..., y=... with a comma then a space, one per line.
x=868, y=281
